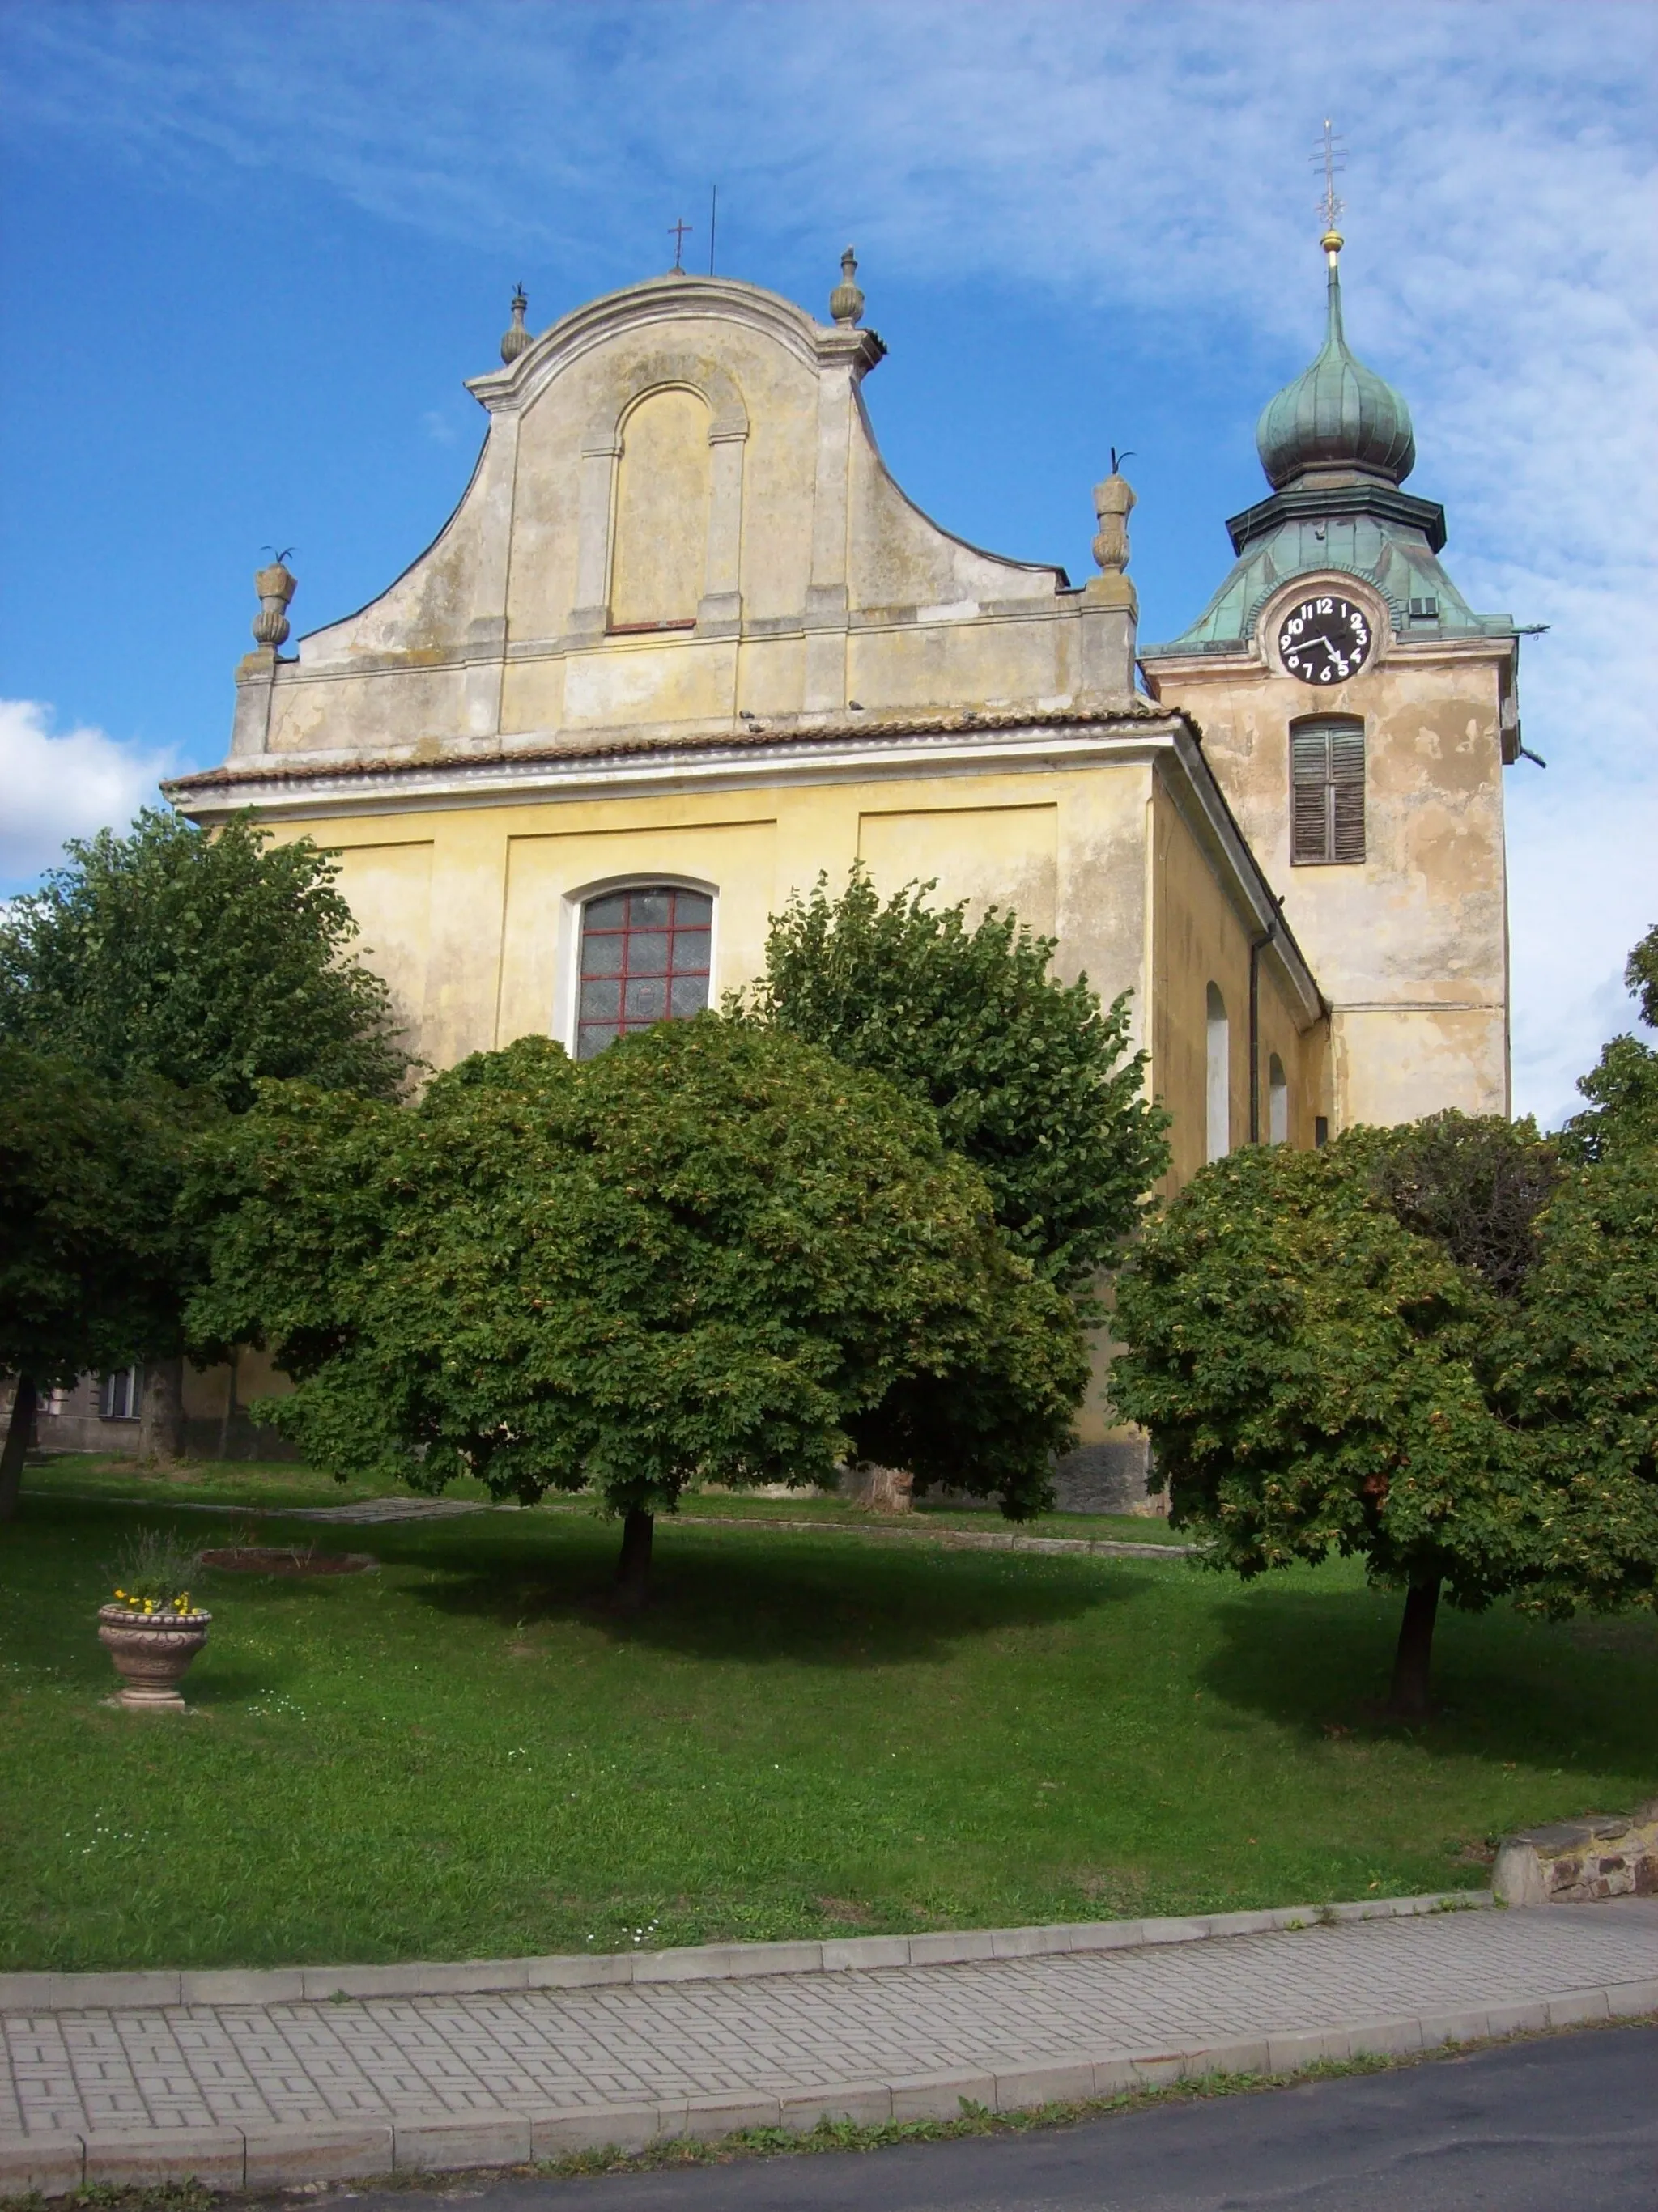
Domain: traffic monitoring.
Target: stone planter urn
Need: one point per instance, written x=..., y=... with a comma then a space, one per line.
x=152, y=1653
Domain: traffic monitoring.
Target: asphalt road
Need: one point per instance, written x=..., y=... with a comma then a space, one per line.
x=1567, y=2123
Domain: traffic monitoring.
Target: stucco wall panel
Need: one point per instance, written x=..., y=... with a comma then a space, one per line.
x=931, y=664
x=388, y=888
x=1005, y=857
x=548, y=873
x=1397, y=1065
x=373, y=712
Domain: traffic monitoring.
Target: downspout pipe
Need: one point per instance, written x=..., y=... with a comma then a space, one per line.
x=1257, y=946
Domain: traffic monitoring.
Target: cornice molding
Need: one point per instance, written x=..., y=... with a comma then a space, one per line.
x=548, y=763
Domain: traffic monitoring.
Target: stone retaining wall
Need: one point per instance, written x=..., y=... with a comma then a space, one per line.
x=1575, y=1862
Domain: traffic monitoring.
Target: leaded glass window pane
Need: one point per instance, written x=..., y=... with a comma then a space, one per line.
x=645, y=959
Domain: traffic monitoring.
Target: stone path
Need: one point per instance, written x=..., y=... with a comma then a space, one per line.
x=807, y=2038
x=372, y=1511
x=368, y=1512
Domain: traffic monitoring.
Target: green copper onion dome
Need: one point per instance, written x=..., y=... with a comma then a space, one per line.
x=1337, y=414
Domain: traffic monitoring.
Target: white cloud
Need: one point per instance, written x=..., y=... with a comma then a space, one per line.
x=1145, y=161
x=62, y=784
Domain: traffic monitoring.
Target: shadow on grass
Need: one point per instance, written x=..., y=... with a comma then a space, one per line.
x=754, y=1598
x=1505, y=1687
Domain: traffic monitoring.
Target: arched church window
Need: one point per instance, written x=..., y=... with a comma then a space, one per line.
x=1218, y=1098
x=644, y=960
x=1326, y=772
x=1277, y=1102
x=659, y=543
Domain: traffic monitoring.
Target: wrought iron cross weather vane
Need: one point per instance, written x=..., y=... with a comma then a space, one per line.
x=1330, y=155
x=678, y=232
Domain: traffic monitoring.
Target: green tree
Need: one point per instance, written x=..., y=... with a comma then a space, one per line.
x=1622, y=1089
x=212, y=962
x=1580, y=1383
x=89, y=1260
x=1031, y=1079
x=204, y=962
x=1314, y=1340
x=704, y=1255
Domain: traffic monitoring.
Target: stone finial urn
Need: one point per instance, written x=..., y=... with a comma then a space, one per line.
x=276, y=587
x=846, y=300
x=516, y=339
x=152, y=1653
x=1112, y=502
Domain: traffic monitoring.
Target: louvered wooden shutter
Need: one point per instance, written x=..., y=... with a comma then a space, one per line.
x=1310, y=759
x=1326, y=792
x=1347, y=794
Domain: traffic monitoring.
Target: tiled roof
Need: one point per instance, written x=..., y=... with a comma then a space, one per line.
x=266, y=767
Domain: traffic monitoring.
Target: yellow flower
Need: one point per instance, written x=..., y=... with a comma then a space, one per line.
x=120, y=1592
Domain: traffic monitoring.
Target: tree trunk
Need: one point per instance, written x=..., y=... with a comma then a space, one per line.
x=1408, y=1699
x=20, y=1434
x=160, y=1417
x=633, y=1567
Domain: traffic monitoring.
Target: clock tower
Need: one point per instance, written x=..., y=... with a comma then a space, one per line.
x=1358, y=715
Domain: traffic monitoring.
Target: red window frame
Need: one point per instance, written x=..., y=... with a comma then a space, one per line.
x=640, y=950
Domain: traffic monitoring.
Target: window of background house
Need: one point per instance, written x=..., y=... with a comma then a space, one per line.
x=644, y=959
x=1326, y=769
x=119, y=1398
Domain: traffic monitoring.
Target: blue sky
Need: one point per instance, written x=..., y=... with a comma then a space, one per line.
x=251, y=252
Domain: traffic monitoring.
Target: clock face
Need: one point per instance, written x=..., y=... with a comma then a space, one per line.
x=1323, y=640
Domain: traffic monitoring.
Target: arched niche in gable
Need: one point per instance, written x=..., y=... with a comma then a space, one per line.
x=659, y=533
x=657, y=398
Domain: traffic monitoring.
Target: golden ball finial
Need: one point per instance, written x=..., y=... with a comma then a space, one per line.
x=1332, y=242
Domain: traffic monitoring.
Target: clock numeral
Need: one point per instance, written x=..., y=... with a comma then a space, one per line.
x=1326, y=606
x=1294, y=660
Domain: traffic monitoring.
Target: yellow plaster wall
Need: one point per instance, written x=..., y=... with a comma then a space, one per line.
x=1199, y=938
x=388, y=887
x=1006, y=856
x=471, y=910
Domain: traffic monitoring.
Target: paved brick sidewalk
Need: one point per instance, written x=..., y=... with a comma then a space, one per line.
x=447, y=2058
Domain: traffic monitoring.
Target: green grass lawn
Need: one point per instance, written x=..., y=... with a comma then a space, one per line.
x=464, y=1755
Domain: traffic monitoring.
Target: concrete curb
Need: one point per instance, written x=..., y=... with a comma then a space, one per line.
x=277, y=2157
x=709, y=1962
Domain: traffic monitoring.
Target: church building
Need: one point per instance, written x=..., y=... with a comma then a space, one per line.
x=685, y=645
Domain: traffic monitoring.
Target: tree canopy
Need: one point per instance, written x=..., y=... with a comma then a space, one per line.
x=1433, y=1348
x=167, y=960
x=1031, y=1079
x=707, y=1254
x=1622, y=1088
x=211, y=961
x=1578, y=1378
x=89, y=1257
